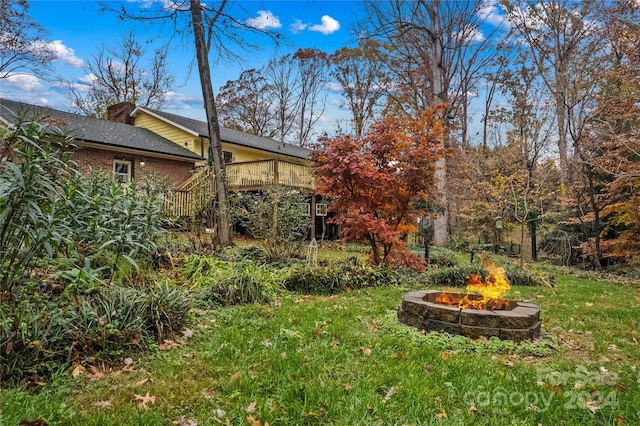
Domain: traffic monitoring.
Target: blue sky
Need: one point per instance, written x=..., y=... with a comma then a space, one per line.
x=77, y=29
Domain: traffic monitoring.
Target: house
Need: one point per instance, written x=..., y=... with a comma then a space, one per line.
x=251, y=162
x=135, y=141
x=132, y=153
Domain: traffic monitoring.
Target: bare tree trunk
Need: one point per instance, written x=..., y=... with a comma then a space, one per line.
x=216, y=158
x=439, y=97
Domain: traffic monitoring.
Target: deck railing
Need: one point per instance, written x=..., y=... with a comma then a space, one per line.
x=193, y=195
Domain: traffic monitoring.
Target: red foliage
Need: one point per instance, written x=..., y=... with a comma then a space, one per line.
x=376, y=180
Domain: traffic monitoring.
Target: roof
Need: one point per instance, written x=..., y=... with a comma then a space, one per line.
x=199, y=128
x=94, y=130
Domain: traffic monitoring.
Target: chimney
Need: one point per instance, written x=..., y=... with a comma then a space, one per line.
x=121, y=112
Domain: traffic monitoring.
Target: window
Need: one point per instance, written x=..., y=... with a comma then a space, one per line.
x=228, y=157
x=122, y=171
x=321, y=209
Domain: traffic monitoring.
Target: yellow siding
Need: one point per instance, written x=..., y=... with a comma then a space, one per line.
x=191, y=142
x=168, y=131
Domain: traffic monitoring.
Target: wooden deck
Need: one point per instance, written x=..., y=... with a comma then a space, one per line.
x=199, y=189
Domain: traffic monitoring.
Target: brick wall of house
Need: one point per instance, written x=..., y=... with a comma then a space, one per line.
x=175, y=172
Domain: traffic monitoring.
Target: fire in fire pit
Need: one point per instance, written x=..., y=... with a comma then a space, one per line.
x=473, y=315
x=491, y=288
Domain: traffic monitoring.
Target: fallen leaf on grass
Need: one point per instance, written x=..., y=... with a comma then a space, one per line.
x=335, y=342
x=187, y=333
x=103, y=404
x=95, y=373
x=400, y=355
x=128, y=365
x=347, y=386
x=78, y=370
x=143, y=381
x=445, y=355
x=392, y=390
x=473, y=409
x=619, y=419
x=167, y=344
x=442, y=415
x=251, y=407
x=428, y=368
x=183, y=421
x=207, y=393
x=144, y=400
x=365, y=351
x=255, y=422
x=590, y=405
x=235, y=376
x=226, y=422
x=588, y=304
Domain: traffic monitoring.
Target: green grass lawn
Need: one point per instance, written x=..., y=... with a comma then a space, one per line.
x=345, y=360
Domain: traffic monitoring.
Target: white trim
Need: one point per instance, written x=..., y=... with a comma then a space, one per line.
x=321, y=209
x=129, y=176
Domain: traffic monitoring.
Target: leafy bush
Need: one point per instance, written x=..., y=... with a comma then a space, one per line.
x=453, y=276
x=440, y=256
x=33, y=339
x=167, y=311
x=36, y=161
x=522, y=277
x=334, y=278
x=457, y=276
x=221, y=284
x=276, y=216
x=40, y=335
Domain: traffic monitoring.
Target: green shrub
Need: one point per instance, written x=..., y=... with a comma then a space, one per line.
x=440, y=256
x=108, y=321
x=337, y=277
x=457, y=276
x=277, y=217
x=522, y=277
x=33, y=339
x=168, y=310
x=247, y=282
x=453, y=276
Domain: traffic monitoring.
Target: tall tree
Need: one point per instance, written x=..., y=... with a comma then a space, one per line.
x=436, y=49
x=614, y=135
x=363, y=76
x=23, y=47
x=216, y=157
x=284, y=99
x=555, y=32
x=118, y=74
x=312, y=65
x=246, y=104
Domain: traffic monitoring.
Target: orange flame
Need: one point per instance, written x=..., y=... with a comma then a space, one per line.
x=491, y=290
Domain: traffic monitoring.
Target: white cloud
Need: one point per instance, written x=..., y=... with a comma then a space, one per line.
x=333, y=87
x=298, y=26
x=26, y=82
x=61, y=52
x=87, y=79
x=265, y=20
x=470, y=35
x=328, y=26
x=492, y=13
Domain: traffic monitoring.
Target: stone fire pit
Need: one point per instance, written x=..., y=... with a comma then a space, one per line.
x=516, y=321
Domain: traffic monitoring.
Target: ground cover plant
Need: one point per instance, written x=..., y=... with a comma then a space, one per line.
x=344, y=359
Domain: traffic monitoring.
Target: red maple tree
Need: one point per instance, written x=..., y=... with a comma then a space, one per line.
x=378, y=181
